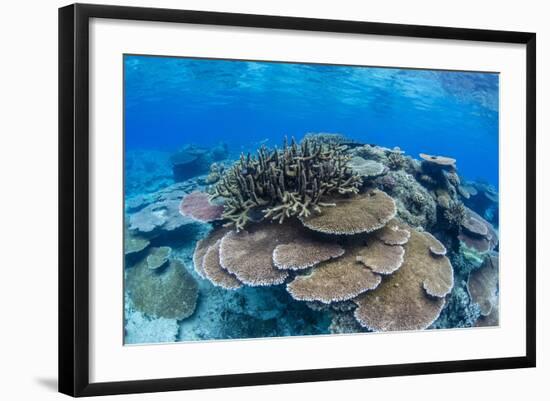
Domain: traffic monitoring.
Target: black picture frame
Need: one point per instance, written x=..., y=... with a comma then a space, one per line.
x=74, y=198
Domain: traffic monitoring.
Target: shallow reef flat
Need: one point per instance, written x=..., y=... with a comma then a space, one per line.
x=320, y=236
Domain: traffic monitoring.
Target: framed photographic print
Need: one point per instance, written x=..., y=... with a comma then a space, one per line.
x=250, y=199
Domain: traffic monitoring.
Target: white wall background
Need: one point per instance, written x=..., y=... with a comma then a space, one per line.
x=28, y=198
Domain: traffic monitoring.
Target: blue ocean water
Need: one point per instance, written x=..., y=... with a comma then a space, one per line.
x=170, y=102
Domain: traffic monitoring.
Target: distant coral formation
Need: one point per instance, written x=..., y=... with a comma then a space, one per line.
x=192, y=160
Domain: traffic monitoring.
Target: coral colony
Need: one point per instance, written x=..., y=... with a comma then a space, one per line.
x=346, y=237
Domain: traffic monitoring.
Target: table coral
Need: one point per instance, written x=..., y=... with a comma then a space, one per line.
x=366, y=168
x=380, y=257
x=303, y=253
x=335, y=280
x=214, y=272
x=361, y=213
x=202, y=247
x=472, y=238
x=391, y=234
x=249, y=254
x=441, y=161
x=412, y=297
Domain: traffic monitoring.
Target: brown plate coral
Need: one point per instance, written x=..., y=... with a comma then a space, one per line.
x=362, y=213
x=412, y=297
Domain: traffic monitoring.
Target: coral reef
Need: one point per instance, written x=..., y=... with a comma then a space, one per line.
x=325, y=235
x=197, y=205
x=171, y=293
x=279, y=184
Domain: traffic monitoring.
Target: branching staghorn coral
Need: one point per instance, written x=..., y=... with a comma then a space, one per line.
x=281, y=183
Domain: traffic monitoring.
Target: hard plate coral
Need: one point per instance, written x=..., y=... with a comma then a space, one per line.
x=483, y=284
x=412, y=297
x=134, y=243
x=379, y=257
x=279, y=184
x=475, y=226
x=305, y=252
x=366, y=168
x=197, y=205
x=441, y=161
x=214, y=272
x=171, y=294
x=158, y=257
x=362, y=213
x=471, y=237
x=202, y=247
x=160, y=216
x=249, y=254
x=335, y=280
x=436, y=247
x=391, y=234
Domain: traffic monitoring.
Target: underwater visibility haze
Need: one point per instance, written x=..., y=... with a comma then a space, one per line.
x=268, y=199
